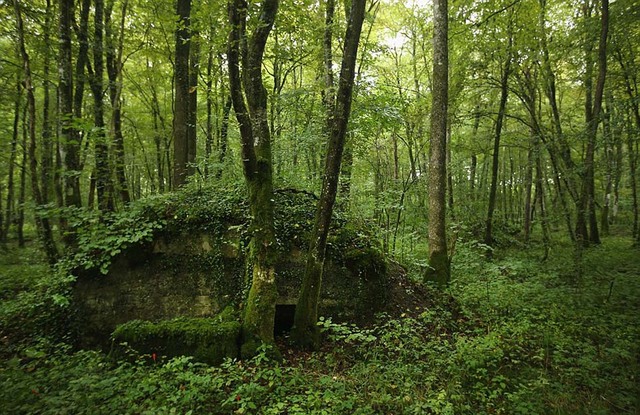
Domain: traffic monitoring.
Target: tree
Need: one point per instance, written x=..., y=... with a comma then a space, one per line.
x=114, y=46
x=306, y=331
x=586, y=208
x=69, y=136
x=505, y=71
x=181, y=116
x=249, y=97
x=42, y=223
x=439, y=268
x=103, y=170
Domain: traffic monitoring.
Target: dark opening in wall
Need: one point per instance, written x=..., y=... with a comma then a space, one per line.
x=284, y=319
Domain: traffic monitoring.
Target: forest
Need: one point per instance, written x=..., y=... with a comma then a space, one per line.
x=319, y=207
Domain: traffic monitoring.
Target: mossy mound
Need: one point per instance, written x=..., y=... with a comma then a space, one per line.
x=183, y=255
x=208, y=340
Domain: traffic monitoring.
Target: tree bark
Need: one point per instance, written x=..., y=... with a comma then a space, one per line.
x=194, y=72
x=181, y=99
x=504, y=91
x=46, y=174
x=305, y=331
x=43, y=226
x=22, y=192
x=10, y=208
x=69, y=136
x=439, y=265
x=586, y=210
x=96, y=79
x=114, y=73
x=245, y=57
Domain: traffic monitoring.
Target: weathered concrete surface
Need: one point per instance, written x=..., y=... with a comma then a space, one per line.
x=198, y=274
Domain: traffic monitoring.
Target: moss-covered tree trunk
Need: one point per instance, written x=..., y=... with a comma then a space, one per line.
x=438, y=270
x=245, y=80
x=305, y=331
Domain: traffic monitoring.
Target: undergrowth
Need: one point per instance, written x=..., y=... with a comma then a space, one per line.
x=527, y=337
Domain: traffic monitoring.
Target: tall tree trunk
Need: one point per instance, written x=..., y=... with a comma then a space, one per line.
x=22, y=191
x=10, y=208
x=439, y=265
x=450, y=200
x=181, y=98
x=245, y=57
x=103, y=170
x=528, y=182
x=211, y=100
x=46, y=173
x=609, y=158
x=586, y=210
x=42, y=222
x=633, y=174
x=114, y=73
x=504, y=91
x=194, y=72
x=544, y=222
x=224, y=134
x=306, y=332
x=69, y=136
x=474, y=156
x=630, y=81
x=158, y=134
x=328, y=94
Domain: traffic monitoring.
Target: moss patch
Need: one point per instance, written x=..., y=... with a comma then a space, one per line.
x=208, y=340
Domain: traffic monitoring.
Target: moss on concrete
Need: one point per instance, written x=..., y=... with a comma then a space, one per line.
x=195, y=265
x=208, y=340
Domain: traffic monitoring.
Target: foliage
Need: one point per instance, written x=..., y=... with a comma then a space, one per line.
x=34, y=303
x=518, y=337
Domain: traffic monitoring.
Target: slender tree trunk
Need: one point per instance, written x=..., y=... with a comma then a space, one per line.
x=42, y=222
x=544, y=222
x=586, y=211
x=158, y=139
x=306, y=332
x=633, y=174
x=528, y=182
x=46, y=173
x=194, y=72
x=506, y=70
x=609, y=158
x=10, y=208
x=114, y=73
x=208, y=143
x=631, y=83
x=328, y=94
x=103, y=170
x=23, y=183
x=224, y=134
x=181, y=98
x=450, y=189
x=69, y=136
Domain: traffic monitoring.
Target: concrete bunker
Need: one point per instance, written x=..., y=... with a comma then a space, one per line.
x=194, y=268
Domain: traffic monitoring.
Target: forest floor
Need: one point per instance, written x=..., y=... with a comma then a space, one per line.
x=510, y=336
